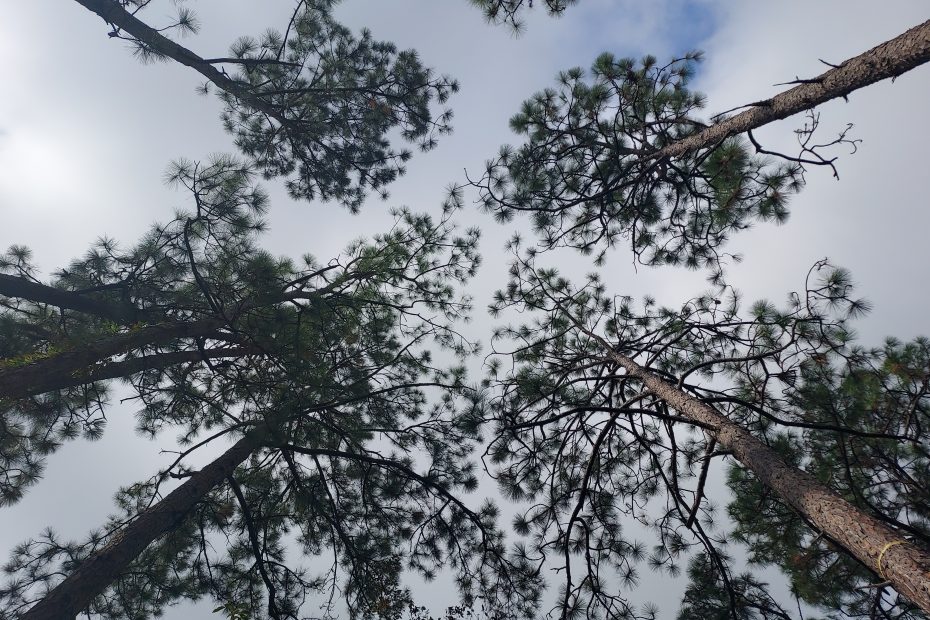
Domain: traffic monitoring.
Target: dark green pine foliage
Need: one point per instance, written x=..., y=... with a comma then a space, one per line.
x=339, y=96
x=314, y=104
x=366, y=434
x=882, y=391
x=590, y=450
x=711, y=596
x=586, y=175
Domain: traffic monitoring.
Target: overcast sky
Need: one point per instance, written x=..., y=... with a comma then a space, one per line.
x=86, y=132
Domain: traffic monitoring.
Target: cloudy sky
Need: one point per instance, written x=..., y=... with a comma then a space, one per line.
x=86, y=132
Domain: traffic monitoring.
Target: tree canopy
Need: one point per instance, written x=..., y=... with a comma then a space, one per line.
x=328, y=436
x=315, y=104
x=309, y=362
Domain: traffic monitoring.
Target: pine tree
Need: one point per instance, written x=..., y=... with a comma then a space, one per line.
x=622, y=156
x=320, y=378
x=614, y=413
x=347, y=437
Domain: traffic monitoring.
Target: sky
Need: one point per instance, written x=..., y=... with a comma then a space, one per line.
x=86, y=132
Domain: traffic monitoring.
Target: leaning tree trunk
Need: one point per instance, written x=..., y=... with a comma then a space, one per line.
x=72, y=366
x=124, y=369
x=103, y=567
x=888, y=60
x=904, y=564
x=21, y=288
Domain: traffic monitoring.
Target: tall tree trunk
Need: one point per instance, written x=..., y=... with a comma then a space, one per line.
x=61, y=369
x=904, y=564
x=103, y=567
x=21, y=288
x=888, y=60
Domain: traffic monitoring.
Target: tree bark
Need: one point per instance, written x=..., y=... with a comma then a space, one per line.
x=888, y=60
x=103, y=567
x=905, y=564
x=21, y=288
x=126, y=368
x=63, y=368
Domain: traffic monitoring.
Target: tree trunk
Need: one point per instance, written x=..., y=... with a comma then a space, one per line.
x=103, y=567
x=888, y=60
x=21, y=288
x=61, y=369
x=904, y=564
x=127, y=368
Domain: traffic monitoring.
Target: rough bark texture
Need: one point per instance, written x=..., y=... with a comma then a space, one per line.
x=905, y=564
x=21, y=288
x=101, y=569
x=113, y=13
x=61, y=368
x=888, y=60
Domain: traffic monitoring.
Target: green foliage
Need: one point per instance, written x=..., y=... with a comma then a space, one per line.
x=233, y=611
x=588, y=177
x=368, y=439
x=714, y=595
x=316, y=104
x=32, y=428
x=509, y=11
x=338, y=97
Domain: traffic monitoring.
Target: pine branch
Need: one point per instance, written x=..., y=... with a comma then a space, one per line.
x=888, y=60
x=113, y=13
